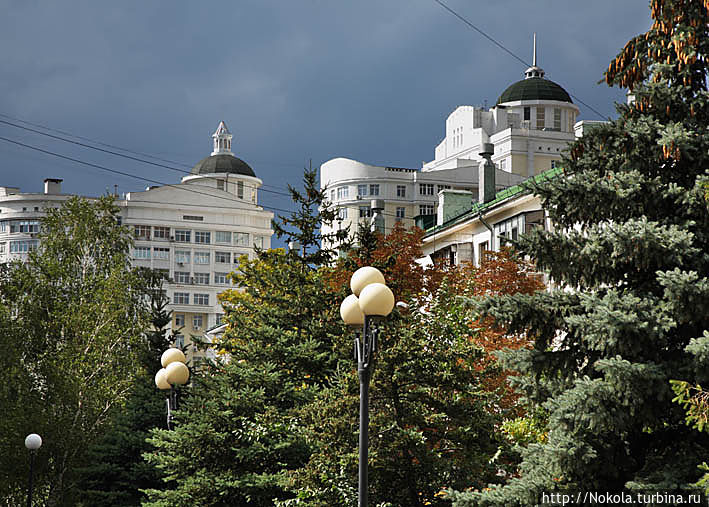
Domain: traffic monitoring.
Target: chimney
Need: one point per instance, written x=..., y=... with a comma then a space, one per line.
x=486, y=174
x=52, y=186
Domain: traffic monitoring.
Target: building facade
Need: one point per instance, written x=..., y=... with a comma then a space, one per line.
x=529, y=127
x=195, y=231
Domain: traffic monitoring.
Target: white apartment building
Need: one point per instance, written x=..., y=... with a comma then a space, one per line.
x=194, y=231
x=530, y=125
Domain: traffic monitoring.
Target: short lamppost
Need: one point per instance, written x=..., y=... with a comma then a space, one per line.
x=371, y=301
x=32, y=442
x=174, y=372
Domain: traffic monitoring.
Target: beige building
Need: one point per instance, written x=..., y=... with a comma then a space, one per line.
x=194, y=231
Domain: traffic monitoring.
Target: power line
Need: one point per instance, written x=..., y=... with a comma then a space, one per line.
x=115, y=171
x=182, y=171
x=498, y=44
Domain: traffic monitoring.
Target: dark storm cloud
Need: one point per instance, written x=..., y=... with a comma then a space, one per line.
x=294, y=80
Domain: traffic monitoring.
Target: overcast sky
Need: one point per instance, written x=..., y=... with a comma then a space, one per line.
x=294, y=80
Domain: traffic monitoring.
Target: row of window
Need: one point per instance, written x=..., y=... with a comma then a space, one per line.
x=372, y=189
x=23, y=226
x=183, y=298
x=184, y=256
x=200, y=237
x=541, y=118
x=197, y=321
x=21, y=246
x=184, y=277
x=366, y=211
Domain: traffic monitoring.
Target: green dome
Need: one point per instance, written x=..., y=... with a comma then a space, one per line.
x=222, y=163
x=534, y=88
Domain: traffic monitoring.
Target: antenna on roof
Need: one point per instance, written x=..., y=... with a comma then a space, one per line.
x=534, y=59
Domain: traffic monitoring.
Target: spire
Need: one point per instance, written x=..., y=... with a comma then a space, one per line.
x=222, y=140
x=534, y=71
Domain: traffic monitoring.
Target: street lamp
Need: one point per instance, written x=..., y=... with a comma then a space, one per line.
x=32, y=442
x=174, y=372
x=371, y=300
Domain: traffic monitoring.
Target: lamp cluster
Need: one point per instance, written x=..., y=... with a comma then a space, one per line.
x=174, y=371
x=370, y=296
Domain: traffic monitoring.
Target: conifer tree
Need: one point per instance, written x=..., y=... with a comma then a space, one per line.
x=629, y=257
x=237, y=434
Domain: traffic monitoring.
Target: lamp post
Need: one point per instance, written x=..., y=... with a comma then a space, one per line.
x=174, y=372
x=32, y=442
x=370, y=301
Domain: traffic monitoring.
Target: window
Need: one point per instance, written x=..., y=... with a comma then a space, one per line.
x=241, y=239
x=509, y=229
x=503, y=164
x=25, y=226
x=401, y=190
x=141, y=231
x=3, y=226
x=483, y=249
x=343, y=192
x=258, y=241
x=161, y=233
x=221, y=278
x=361, y=190
x=526, y=114
x=426, y=188
x=224, y=257
x=427, y=209
x=181, y=298
x=342, y=213
x=400, y=213
x=179, y=341
x=332, y=195
x=194, y=218
x=179, y=319
x=141, y=252
x=161, y=253
x=23, y=246
x=201, y=278
x=2, y=248
x=240, y=189
x=201, y=299
x=540, y=118
x=555, y=164
x=374, y=189
x=557, y=118
x=183, y=236
x=182, y=256
x=220, y=319
x=203, y=237
x=201, y=257
x=223, y=237
x=220, y=184
x=182, y=277
x=197, y=321
x=442, y=187
x=164, y=274
x=365, y=212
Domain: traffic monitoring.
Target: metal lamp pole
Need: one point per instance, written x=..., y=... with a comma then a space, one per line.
x=173, y=373
x=32, y=442
x=371, y=299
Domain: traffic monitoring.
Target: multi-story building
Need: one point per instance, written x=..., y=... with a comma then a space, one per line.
x=529, y=127
x=194, y=231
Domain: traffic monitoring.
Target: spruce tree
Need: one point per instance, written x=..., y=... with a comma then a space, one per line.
x=238, y=434
x=629, y=258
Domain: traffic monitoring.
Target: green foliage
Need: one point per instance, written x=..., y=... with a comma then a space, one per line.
x=72, y=321
x=629, y=257
x=115, y=472
x=238, y=433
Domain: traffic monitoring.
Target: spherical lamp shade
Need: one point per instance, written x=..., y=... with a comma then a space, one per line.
x=177, y=373
x=363, y=277
x=33, y=441
x=161, y=379
x=171, y=355
x=376, y=299
x=350, y=311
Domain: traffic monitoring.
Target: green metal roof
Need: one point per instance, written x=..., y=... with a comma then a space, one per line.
x=534, y=88
x=501, y=196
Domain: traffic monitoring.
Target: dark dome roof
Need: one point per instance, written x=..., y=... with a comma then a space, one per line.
x=222, y=163
x=534, y=88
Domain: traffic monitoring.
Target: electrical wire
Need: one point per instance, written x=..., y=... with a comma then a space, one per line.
x=472, y=26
